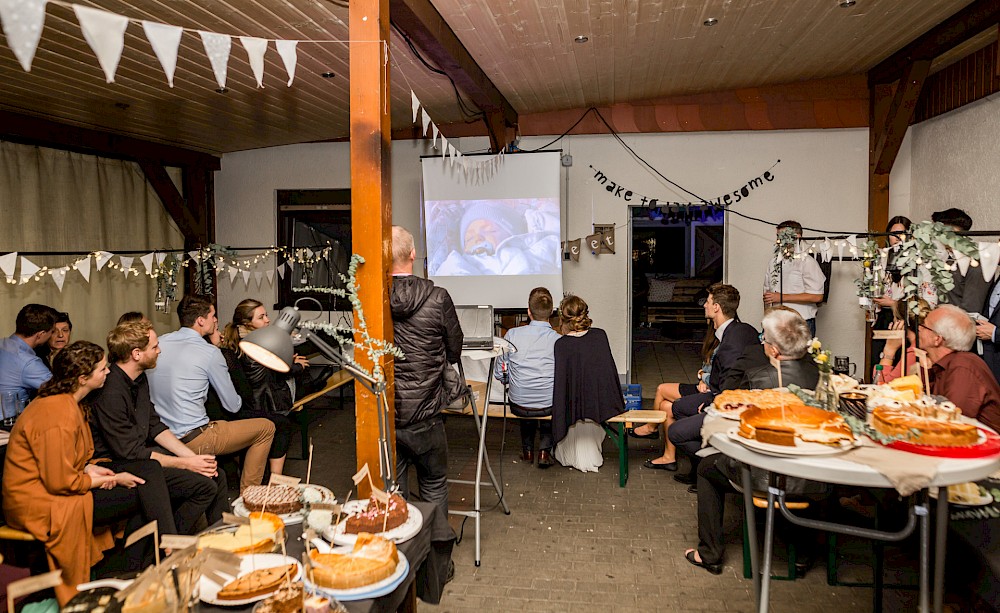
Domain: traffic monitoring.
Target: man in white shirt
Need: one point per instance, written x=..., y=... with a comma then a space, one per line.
x=796, y=282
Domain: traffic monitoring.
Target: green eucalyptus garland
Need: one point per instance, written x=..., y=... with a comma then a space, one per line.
x=927, y=250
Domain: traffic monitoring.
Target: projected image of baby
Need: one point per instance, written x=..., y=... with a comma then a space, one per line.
x=493, y=237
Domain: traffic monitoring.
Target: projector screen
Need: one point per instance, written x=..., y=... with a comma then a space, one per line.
x=494, y=242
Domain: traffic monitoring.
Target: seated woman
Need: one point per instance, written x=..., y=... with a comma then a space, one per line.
x=586, y=390
x=50, y=488
x=909, y=322
x=270, y=395
x=61, y=334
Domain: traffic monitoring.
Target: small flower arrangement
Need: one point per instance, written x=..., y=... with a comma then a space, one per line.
x=820, y=356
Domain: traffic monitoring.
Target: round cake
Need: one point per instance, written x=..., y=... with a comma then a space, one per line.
x=372, y=559
x=279, y=499
x=377, y=515
x=901, y=423
x=797, y=422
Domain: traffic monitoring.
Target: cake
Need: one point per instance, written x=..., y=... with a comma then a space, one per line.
x=911, y=383
x=372, y=560
x=278, y=499
x=374, y=516
x=257, y=582
x=288, y=599
x=964, y=493
x=733, y=400
x=264, y=531
x=793, y=423
x=922, y=426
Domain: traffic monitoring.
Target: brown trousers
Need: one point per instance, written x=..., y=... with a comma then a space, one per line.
x=223, y=437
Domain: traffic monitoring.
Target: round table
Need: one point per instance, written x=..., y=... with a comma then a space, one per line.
x=832, y=469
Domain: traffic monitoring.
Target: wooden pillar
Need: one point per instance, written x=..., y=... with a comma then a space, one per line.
x=371, y=205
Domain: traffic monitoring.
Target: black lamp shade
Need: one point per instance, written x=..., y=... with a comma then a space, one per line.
x=271, y=346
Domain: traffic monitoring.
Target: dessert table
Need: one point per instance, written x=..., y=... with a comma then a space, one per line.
x=427, y=553
x=835, y=470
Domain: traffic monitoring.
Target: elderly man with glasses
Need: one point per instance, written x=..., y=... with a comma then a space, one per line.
x=963, y=377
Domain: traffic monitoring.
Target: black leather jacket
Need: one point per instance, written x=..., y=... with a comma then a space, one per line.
x=426, y=329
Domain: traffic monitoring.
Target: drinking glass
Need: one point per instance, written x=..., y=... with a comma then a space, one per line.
x=10, y=406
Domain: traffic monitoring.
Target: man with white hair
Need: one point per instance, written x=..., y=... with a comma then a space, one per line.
x=786, y=338
x=947, y=335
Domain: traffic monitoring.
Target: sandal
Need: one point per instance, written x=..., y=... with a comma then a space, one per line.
x=715, y=569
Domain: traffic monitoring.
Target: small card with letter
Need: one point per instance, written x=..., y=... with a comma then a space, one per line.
x=229, y=518
x=177, y=541
x=885, y=335
x=361, y=474
x=283, y=480
x=380, y=495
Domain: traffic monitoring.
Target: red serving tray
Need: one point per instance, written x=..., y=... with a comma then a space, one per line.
x=989, y=447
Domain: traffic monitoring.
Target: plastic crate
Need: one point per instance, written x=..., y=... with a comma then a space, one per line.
x=633, y=403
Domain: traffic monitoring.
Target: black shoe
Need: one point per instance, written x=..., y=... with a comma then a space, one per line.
x=715, y=569
x=451, y=572
x=545, y=459
x=671, y=466
x=693, y=489
x=653, y=434
x=802, y=566
x=685, y=478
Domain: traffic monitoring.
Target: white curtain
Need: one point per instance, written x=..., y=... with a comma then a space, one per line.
x=53, y=200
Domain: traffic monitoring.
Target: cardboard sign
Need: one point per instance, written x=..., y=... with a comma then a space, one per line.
x=361, y=474
x=30, y=585
x=325, y=506
x=177, y=541
x=884, y=335
x=284, y=480
x=141, y=533
x=380, y=495
x=229, y=518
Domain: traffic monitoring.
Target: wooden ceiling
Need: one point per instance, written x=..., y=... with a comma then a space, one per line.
x=638, y=50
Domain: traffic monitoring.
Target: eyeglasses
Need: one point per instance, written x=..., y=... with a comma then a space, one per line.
x=930, y=329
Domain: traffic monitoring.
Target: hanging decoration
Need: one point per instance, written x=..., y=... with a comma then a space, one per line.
x=22, y=25
x=928, y=250
x=475, y=172
x=165, y=40
x=871, y=281
x=105, y=33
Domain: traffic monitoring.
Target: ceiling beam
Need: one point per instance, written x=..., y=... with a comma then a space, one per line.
x=901, y=111
x=427, y=29
x=963, y=25
x=47, y=133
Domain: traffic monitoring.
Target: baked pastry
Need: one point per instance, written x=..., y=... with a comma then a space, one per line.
x=256, y=583
x=905, y=422
x=288, y=599
x=375, y=515
x=372, y=559
x=260, y=536
x=793, y=423
x=963, y=493
x=733, y=400
x=153, y=600
x=909, y=382
x=278, y=499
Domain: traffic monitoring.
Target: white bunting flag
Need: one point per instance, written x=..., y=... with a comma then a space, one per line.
x=28, y=270
x=289, y=56
x=217, y=48
x=852, y=240
x=8, y=263
x=452, y=152
x=102, y=258
x=444, y=147
x=434, y=135
x=165, y=40
x=59, y=276
x=160, y=257
x=147, y=261
x=23, y=21
x=989, y=256
x=195, y=255
x=270, y=276
x=258, y=276
x=246, y=278
x=415, y=104
x=105, y=33
x=83, y=267
x=255, y=51
x=281, y=271
x=826, y=250
x=233, y=271
x=963, y=262
x=126, y=262
x=426, y=119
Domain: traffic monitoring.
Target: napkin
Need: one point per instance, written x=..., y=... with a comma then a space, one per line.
x=908, y=472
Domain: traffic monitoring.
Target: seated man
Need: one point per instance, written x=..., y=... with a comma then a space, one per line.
x=126, y=428
x=530, y=367
x=21, y=371
x=179, y=385
x=734, y=336
x=962, y=377
x=786, y=338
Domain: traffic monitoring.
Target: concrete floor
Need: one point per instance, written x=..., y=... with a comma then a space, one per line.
x=577, y=541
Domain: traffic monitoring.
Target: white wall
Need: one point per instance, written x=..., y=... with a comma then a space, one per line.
x=821, y=181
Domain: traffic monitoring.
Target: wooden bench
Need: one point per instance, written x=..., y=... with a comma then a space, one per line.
x=300, y=414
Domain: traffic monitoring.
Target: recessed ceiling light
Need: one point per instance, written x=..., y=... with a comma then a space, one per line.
x=222, y=90
x=581, y=39
x=846, y=4
x=711, y=21
x=327, y=75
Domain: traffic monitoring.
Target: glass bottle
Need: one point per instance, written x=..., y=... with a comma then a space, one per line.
x=879, y=378
x=825, y=394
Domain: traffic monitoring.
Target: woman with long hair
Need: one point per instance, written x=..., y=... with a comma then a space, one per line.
x=586, y=391
x=270, y=392
x=50, y=487
x=897, y=228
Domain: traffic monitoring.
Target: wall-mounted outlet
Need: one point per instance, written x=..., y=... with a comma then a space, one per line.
x=566, y=159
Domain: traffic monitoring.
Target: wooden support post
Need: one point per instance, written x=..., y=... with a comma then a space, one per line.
x=371, y=205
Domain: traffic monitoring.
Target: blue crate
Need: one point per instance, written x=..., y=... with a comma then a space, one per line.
x=632, y=389
x=633, y=403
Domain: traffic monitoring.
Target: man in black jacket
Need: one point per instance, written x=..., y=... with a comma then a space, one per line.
x=426, y=329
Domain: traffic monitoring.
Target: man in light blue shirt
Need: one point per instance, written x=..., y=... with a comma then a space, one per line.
x=21, y=371
x=529, y=368
x=179, y=385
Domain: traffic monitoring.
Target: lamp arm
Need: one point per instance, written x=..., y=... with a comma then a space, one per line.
x=366, y=380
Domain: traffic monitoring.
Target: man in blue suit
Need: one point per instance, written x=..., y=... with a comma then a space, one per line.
x=986, y=329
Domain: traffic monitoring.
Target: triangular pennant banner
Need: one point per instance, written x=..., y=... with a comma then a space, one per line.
x=233, y=271
x=23, y=21
x=8, y=263
x=105, y=33
x=426, y=119
x=246, y=278
x=83, y=267
x=258, y=276
x=147, y=261
x=160, y=257
x=59, y=277
x=217, y=48
x=574, y=250
x=286, y=49
x=963, y=262
x=102, y=258
x=989, y=256
x=415, y=104
x=165, y=40
x=195, y=255
x=255, y=50
x=270, y=276
x=126, y=262
x=434, y=135
x=28, y=269
x=281, y=271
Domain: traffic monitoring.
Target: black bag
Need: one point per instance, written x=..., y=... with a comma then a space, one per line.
x=457, y=392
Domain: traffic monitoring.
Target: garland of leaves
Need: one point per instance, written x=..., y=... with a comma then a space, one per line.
x=929, y=245
x=374, y=348
x=871, y=283
x=859, y=427
x=784, y=249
